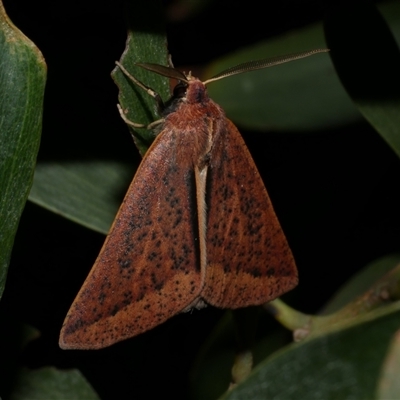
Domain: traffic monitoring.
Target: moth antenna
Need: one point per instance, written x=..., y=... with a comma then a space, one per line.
x=165, y=71
x=260, y=64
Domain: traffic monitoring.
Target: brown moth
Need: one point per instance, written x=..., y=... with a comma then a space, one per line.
x=196, y=226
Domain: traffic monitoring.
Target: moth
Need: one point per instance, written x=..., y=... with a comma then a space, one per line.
x=196, y=226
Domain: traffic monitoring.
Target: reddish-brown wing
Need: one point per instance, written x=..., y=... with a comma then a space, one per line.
x=249, y=261
x=148, y=269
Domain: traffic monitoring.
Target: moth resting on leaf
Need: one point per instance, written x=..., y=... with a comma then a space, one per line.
x=196, y=226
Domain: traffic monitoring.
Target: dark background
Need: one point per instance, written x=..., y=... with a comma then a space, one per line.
x=334, y=197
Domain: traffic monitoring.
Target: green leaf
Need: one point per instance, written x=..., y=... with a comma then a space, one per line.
x=367, y=60
x=14, y=337
x=88, y=193
x=304, y=95
x=344, y=363
x=389, y=383
x=91, y=192
x=50, y=383
x=144, y=44
x=22, y=81
x=361, y=282
x=212, y=371
x=301, y=95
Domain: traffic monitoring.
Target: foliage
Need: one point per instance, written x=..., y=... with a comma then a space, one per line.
x=314, y=127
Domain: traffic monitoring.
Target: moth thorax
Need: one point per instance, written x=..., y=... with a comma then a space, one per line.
x=196, y=92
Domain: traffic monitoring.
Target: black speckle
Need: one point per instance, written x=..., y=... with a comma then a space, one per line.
x=256, y=272
x=270, y=272
x=141, y=236
x=114, y=310
x=124, y=263
x=102, y=297
x=152, y=256
x=177, y=221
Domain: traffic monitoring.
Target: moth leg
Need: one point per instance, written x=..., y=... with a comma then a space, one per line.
x=135, y=124
x=170, y=63
x=149, y=91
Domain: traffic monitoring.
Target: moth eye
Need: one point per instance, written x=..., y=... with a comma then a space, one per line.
x=180, y=90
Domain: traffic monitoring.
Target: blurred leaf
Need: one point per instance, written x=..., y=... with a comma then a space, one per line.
x=301, y=95
x=389, y=384
x=87, y=193
x=390, y=10
x=50, y=383
x=361, y=282
x=22, y=81
x=367, y=60
x=91, y=192
x=381, y=291
x=13, y=339
x=344, y=363
x=211, y=374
